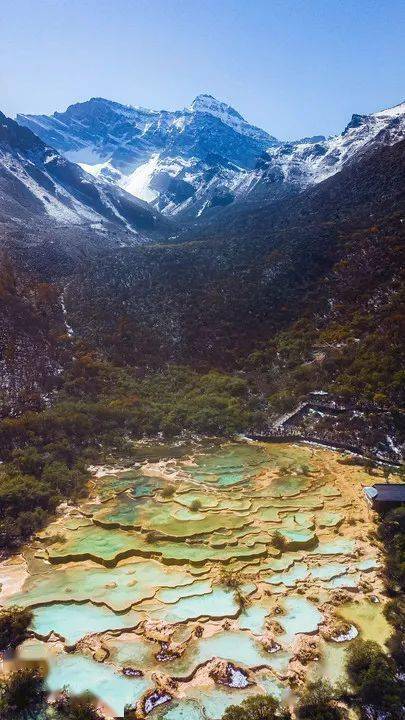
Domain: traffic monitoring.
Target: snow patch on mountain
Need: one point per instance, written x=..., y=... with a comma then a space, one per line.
x=138, y=182
x=87, y=155
x=57, y=205
x=395, y=111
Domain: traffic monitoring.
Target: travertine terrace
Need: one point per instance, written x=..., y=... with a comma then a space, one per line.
x=201, y=575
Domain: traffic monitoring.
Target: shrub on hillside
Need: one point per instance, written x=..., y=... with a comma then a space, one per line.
x=14, y=622
x=68, y=707
x=374, y=679
x=259, y=707
x=318, y=702
x=22, y=694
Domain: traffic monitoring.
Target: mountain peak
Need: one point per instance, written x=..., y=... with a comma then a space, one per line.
x=208, y=104
x=93, y=104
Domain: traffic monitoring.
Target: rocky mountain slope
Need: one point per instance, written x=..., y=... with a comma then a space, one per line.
x=192, y=163
x=34, y=347
x=182, y=162
x=42, y=195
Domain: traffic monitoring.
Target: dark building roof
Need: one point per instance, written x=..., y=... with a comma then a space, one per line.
x=386, y=492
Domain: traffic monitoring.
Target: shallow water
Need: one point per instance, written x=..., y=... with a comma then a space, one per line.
x=233, y=645
x=81, y=674
x=301, y=616
x=332, y=664
x=369, y=619
x=73, y=622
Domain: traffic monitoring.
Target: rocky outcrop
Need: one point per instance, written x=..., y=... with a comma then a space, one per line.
x=162, y=694
x=225, y=673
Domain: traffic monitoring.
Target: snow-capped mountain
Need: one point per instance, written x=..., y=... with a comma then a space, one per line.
x=40, y=187
x=181, y=162
x=187, y=163
x=296, y=166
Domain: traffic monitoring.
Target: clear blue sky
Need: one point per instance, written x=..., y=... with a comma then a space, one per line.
x=294, y=67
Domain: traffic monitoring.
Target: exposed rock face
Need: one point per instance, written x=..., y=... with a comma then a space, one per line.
x=170, y=651
x=273, y=627
x=225, y=673
x=100, y=654
x=306, y=650
x=132, y=672
x=270, y=643
x=158, y=631
x=91, y=645
x=163, y=693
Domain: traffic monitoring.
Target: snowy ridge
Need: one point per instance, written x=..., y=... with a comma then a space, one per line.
x=306, y=164
x=189, y=163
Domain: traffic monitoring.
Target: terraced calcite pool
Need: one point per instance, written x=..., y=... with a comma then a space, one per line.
x=168, y=590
